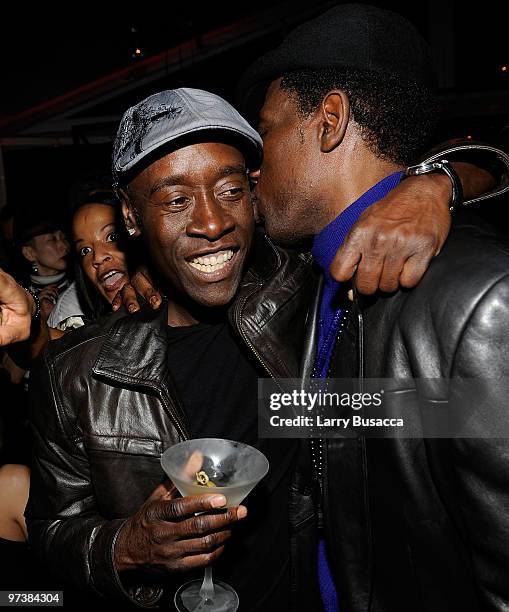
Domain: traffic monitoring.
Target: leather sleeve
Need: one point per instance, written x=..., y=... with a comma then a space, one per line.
x=479, y=467
x=64, y=527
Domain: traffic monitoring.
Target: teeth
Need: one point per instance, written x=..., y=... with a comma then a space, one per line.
x=110, y=273
x=211, y=263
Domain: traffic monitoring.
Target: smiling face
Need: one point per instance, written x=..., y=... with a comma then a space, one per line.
x=95, y=241
x=197, y=219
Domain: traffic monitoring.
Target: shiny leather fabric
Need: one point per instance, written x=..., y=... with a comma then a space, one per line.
x=423, y=524
x=103, y=409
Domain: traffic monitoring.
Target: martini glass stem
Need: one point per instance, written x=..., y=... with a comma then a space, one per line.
x=207, y=588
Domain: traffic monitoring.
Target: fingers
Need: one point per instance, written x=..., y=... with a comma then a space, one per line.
x=193, y=465
x=207, y=544
x=116, y=303
x=368, y=275
x=407, y=262
x=200, y=552
x=383, y=261
x=126, y=297
x=414, y=269
x=16, y=309
x=177, y=516
x=49, y=293
x=143, y=284
x=207, y=523
x=164, y=491
x=168, y=535
x=395, y=239
x=129, y=298
x=201, y=539
x=14, y=297
x=184, y=507
x=187, y=563
x=371, y=264
x=346, y=260
x=389, y=280
x=140, y=284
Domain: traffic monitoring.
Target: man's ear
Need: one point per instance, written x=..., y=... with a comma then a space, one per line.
x=28, y=253
x=334, y=119
x=130, y=218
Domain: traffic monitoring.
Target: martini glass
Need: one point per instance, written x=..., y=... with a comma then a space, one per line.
x=229, y=468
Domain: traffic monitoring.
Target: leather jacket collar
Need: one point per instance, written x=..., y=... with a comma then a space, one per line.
x=144, y=333
x=274, y=280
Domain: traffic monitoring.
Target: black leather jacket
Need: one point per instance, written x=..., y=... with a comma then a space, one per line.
x=423, y=524
x=104, y=409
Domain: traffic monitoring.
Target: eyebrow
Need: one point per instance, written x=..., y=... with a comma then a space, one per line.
x=180, y=179
x=101, y=230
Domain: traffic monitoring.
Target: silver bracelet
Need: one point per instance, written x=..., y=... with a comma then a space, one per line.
x=35, y=321
x=441, y=166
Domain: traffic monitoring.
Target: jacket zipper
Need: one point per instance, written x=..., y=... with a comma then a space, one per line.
x=238, y=317
x=180, y=426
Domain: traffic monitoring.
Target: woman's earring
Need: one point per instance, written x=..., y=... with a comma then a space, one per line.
x=35, y=267
x=131, y=231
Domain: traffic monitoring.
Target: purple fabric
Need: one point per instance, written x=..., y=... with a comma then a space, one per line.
x=326, y=243
x=327, y=586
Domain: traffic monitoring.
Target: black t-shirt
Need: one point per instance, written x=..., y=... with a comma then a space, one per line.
x=217, y=380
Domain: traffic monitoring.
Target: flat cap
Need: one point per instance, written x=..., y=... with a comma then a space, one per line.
x=172, y=116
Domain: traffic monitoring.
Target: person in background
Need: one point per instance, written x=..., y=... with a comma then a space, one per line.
x=45, y=247
x=100, y=261
x=19, y=569
x=40, y=242
x=100, y=268
x=14, y=554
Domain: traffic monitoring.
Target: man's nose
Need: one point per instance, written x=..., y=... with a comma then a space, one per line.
x=209, y=219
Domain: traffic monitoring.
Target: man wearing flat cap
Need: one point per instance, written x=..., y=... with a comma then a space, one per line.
x=411, y=522
x=109, y=398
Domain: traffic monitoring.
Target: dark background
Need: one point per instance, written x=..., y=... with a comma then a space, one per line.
x=47, y=142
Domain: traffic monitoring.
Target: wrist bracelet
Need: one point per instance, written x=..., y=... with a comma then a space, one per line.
x=442, y=166
x=37, y=301
x=35, y=321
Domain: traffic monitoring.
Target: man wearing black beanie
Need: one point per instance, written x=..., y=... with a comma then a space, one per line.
x=411, y=522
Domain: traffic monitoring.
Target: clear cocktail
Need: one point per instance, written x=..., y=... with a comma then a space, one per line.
x=212, y=465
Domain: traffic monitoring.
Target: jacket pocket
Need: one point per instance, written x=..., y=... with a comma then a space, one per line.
x=123, y=472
